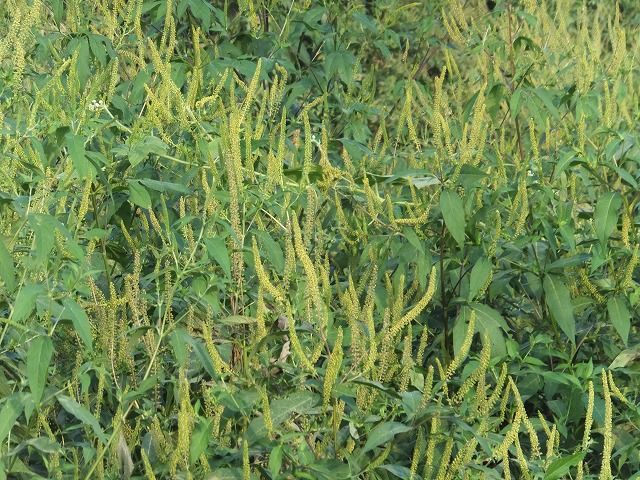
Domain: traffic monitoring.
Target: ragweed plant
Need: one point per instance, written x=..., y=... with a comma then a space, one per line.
x=318, y=239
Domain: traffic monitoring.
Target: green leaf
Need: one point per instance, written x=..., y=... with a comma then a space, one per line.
x=9, y=414
x=479, y=275
x=82, y=414
x=281, y=410
x=560, y=467
x=217, y=249
x=26, y=301
x=559, y=302
x=226, y=474
x=81, y=323
x=453, y=214
x=273, y=250
x=514, y=102
x=75, y=144
x=200, y=439
x=488, y=322
x=159, y=186
x=606, y=215
x=340, y=62
x=275, y=461
x=625, y=357
x=620, y=316
x=383, y=433
x=7, y=268
x=139, y=151
x=38, y=360
x=139, y=195
x=413, y=239
x=547, y=99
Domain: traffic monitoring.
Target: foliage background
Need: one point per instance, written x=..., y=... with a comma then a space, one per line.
x=304, y=239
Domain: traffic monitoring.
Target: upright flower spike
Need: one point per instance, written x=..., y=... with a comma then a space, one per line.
x=412, y=314
x=263, y=277
x=332, y=371
x=607, y=448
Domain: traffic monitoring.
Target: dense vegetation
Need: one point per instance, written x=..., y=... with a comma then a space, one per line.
x=319, y=239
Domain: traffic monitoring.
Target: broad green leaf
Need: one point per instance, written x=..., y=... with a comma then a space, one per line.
x=273, y=250
x=383, y=433
x=26, y=301
x=38, y=360
x=9, y=414
x=75, y=144
x=45, y=227
x=619, y=316
x=281, y=410
x=625, y=357
x=81, y=323
x=606, y=215
x=479, y=275
x=559, y=302
x=275, y=461
x=7, y=268
x=82, y=414
x=413, y=239
x=226, y=474
x=488, y=322
x=237, y=320
x=547, y=99
x=453, y=214
x=199, y=440
x=159, y=186
x=139, y=195
x=217, y=249
x=560, y=467
x=139, y=151
x=514, y=102
x=398, y=471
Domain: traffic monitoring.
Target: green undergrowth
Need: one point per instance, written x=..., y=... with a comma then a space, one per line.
x=319, y=239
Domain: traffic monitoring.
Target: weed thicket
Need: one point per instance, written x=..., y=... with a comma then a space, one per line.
x=268, y=239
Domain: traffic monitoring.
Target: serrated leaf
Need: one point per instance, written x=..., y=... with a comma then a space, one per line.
x=619, y=316
x=38, y=360
x=559, y=302
x=82, y=414
x=606, y=215
x=81, y=324
x=453, y=214
x=383, y=433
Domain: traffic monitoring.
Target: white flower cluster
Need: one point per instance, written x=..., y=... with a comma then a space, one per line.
x=97, y=105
